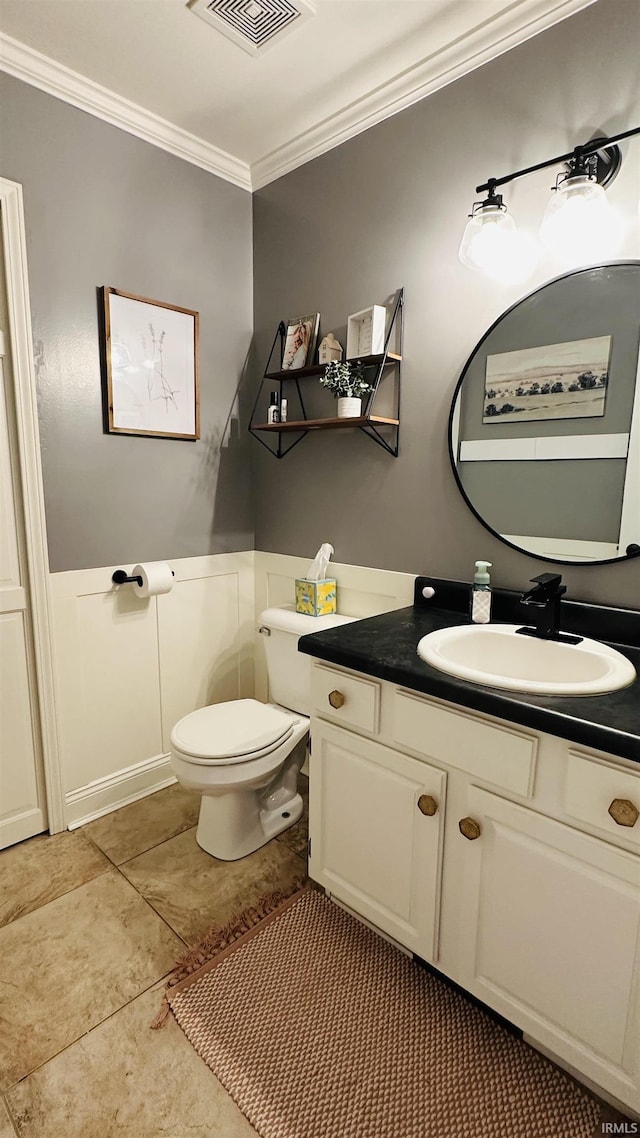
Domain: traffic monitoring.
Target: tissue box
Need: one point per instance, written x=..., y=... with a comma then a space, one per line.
x=316, y=598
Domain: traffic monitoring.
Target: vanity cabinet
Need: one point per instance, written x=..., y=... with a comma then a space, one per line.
x=517, y=882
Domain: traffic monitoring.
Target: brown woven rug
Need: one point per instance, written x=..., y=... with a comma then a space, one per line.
x=318, y=1028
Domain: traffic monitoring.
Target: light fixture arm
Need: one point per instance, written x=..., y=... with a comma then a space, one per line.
x=577, y=155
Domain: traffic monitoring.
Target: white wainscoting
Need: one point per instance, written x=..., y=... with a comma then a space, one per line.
x=565, y=548
x=544, y=447
x=360, y=592
x=127, y=669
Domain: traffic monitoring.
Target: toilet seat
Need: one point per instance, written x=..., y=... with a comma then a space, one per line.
x=232, y=732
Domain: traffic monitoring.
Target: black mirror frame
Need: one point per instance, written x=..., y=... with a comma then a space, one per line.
x=528, y=553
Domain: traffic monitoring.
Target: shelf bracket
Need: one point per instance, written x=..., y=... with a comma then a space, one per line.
x=373, y=433
x=279, y=452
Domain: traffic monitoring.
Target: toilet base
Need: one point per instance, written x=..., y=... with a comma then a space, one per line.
x=275, y=821
x=233, y=825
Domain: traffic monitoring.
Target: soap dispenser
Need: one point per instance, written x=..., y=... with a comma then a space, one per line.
x=480, y=601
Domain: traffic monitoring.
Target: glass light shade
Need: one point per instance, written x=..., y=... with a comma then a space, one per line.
x=579, y=224
x=492, y=245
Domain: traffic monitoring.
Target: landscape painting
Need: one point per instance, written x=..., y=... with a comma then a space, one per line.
x=557, y=381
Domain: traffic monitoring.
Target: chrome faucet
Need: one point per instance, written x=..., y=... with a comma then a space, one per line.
x=545, y=598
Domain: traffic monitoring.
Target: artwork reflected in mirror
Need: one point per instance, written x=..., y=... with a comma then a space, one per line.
x=555, y=381
x=545, y=420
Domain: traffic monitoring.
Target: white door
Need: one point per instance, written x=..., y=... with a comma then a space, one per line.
x=375, y=822
x=22, y=800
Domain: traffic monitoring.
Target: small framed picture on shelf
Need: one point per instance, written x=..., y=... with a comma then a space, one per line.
x=365, y=332
x=300, y=342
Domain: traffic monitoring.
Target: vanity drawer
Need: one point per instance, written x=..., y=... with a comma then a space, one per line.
x=357, y=700
x=496, y=754
x=590, y=789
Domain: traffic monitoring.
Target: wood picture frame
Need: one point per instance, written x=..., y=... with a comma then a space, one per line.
x=150, y=367
x=299, y=346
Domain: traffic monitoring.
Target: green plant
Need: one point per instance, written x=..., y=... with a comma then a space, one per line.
x=346, y=379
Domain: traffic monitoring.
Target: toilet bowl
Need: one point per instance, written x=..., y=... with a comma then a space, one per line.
x=244, y=756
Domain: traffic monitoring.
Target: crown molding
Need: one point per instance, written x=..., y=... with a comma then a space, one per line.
x=520, y=22
x=24, y=63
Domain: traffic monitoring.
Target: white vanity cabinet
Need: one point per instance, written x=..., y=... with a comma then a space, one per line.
x=517, y=883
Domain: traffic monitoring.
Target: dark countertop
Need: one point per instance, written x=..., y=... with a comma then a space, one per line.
x=386, y=647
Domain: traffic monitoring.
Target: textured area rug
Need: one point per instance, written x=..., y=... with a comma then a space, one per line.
x=318, y=1028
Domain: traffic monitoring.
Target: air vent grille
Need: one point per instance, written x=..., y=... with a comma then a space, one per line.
x=253, y=24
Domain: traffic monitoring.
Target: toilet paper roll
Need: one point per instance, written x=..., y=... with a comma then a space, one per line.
x=157, y=578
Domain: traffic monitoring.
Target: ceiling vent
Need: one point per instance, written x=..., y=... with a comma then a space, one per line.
x=254, y=25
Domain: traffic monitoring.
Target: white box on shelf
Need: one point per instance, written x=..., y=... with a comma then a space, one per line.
x=365, y=332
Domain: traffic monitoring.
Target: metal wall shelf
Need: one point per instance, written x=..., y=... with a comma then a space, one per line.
x=383, y=429
x=317, y=369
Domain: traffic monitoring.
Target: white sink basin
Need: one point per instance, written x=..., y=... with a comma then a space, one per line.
x=493, y=654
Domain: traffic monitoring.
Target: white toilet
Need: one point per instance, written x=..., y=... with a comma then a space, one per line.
x=244, y=756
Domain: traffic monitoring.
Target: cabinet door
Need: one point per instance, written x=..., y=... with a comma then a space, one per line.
x=372, y=845
x=552, y=919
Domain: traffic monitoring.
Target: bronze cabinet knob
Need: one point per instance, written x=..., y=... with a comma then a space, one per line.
x=624, y=812
x=336, y=699
x=469, y=828
x=427, y=804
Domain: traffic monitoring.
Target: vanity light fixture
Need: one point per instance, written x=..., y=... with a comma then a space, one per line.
x=578, y=223
x=492, y=244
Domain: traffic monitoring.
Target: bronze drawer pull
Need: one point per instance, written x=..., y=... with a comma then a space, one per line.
x=624, y=812
x=469, y=828
x=427, y=804
x=336, y=699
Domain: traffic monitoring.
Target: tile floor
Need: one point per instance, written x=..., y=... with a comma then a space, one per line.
x=91, y=922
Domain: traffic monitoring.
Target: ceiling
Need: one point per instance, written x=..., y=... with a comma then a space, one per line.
x=156, y=69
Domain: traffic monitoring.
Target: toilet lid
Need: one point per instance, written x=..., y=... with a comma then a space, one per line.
x=229, y=730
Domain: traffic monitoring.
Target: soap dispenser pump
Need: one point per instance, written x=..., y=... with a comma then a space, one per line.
x=480, y=601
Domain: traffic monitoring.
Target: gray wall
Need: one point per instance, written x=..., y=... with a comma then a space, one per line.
x=388, y=209
x=105, y=208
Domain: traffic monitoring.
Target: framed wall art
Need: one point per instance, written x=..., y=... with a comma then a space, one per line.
x=150, y=365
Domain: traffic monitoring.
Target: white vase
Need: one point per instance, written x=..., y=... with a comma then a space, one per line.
x=349, y=407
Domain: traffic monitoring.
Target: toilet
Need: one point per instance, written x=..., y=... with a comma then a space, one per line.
x=244, y=756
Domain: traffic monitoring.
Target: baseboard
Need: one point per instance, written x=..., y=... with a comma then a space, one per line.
x=118, y=789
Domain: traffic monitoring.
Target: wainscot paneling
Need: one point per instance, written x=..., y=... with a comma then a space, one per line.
x=127, y=669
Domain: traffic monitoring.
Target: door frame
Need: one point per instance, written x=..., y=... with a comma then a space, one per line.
x=14, y=245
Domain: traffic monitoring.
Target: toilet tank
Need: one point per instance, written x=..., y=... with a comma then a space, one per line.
x=289, y=670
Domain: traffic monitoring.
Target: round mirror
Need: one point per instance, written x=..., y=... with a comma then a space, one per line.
x=544, y=431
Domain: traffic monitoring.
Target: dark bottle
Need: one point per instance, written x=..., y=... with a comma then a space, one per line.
x=273, y=414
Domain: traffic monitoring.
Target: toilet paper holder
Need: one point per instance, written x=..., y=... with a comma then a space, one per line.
x=121, y=577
